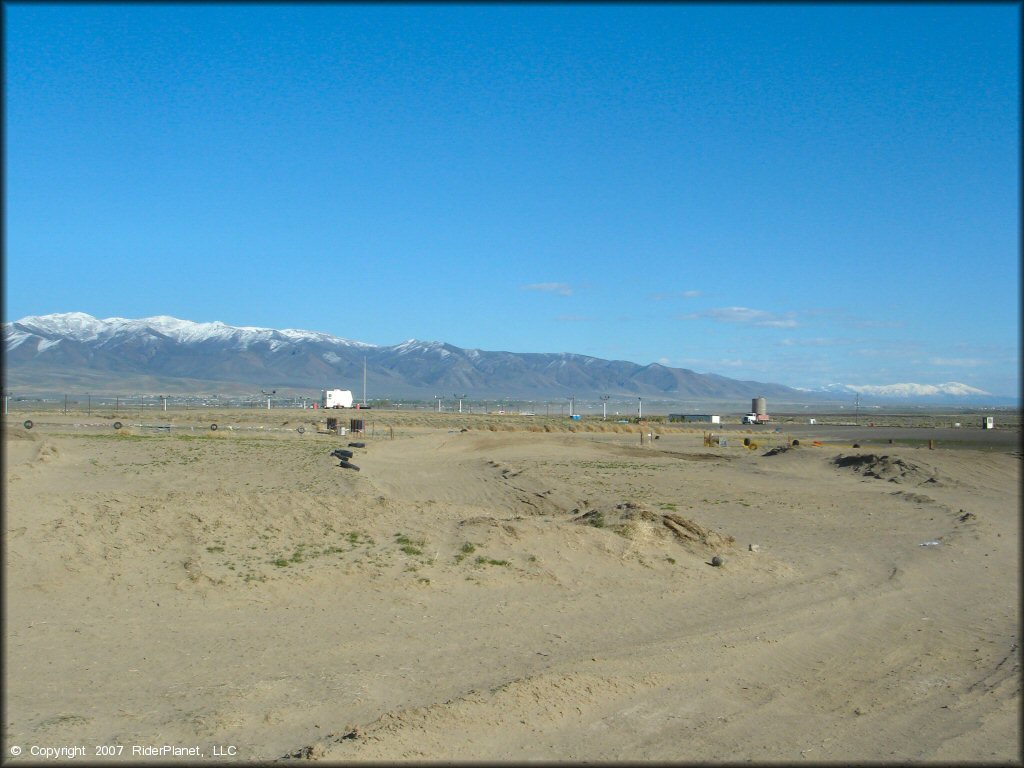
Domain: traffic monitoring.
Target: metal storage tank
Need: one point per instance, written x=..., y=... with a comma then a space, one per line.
x=759, y=406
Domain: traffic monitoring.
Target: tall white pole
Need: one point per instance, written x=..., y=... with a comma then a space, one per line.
x=640, y=413
x=364, y=381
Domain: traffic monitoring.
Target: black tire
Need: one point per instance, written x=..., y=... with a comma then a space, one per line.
x=746, y=441
x=213, y=427
x=796, y=442
x=348, y=465
x=117, y=425
x=27, y=424
x=342, y=454
x=357, y=445
x=300, y=430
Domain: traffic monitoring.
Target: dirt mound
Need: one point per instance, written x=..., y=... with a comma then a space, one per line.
x=47, y=452
x=891, y=468
x=690, y=532
x=18, y=433
x=523, y=706
x=639, y=522
x=484, y=524
x=915, y=498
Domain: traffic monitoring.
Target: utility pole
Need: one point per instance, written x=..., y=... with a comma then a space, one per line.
x=604, y=407
x=364, y=381
x=640, y=412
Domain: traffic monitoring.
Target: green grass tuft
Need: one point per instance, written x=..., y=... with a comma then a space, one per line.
x=490, y=561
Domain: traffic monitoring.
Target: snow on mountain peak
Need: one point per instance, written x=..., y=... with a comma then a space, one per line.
x=909, y=389
x=410, y=345
x=74, y=325
x=80, y=326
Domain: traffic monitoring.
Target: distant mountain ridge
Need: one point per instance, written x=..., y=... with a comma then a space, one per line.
x=75, y=349
x=949, y=388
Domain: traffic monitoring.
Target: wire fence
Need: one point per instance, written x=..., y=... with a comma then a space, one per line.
x=89, y=403
x=148, y=403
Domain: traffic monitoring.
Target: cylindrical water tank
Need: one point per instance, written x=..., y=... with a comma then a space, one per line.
x=759, y=406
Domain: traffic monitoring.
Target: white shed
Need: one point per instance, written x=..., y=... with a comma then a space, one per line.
x=336, y=398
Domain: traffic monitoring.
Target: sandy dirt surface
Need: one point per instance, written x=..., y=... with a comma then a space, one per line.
x=508, y=595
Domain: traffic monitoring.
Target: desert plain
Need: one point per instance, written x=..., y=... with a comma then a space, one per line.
x=504, y=590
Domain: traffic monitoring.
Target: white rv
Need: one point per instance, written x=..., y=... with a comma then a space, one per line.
x=336, y=398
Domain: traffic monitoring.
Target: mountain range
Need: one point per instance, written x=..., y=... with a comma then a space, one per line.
x=74, y=351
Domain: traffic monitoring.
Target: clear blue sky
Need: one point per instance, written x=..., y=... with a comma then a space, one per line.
x=802, y=194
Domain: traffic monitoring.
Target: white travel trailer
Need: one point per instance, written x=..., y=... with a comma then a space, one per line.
x=336, y=398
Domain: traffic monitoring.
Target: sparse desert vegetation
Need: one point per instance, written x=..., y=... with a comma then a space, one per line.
x=552, y=592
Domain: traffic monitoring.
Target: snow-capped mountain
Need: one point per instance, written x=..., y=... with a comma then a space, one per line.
x=54, y=351
x=75, y=350
x=80, y=327
x=948, y=389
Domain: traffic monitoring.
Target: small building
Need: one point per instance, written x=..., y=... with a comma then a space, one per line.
x=335, y=398
x=989, y=422
x=695, y=418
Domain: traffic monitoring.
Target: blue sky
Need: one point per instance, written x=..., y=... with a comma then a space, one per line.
x=802, y=194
